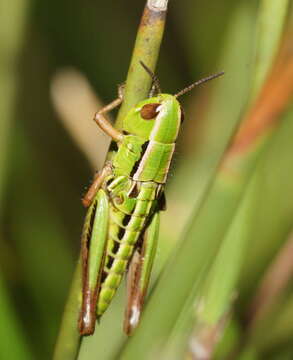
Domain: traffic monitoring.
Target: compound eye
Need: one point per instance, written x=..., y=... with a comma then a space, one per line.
x=149, y=111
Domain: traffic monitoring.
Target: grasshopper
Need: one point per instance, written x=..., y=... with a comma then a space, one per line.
x=121, y=228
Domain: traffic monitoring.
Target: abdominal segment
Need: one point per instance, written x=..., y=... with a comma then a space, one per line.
x=130, y=212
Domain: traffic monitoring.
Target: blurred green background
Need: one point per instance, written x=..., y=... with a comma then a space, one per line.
x=60, y=60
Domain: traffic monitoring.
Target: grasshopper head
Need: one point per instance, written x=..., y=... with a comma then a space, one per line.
x=157, y=118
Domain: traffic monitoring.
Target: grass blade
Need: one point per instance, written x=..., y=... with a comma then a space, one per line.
x=271, y=18
x=211, y=222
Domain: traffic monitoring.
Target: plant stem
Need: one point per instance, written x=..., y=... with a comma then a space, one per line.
x=68, y=341
x=146, y=49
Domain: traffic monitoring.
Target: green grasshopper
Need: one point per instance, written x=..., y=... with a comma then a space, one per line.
x=122, y=223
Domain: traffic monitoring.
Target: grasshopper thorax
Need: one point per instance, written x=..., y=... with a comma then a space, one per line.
x=157, y=118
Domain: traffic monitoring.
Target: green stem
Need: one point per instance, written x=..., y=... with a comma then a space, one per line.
x=146, y=49
x=137, y=86
x=68, y=341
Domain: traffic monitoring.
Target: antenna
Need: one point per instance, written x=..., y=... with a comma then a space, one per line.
x=199, y=82
x=156, y=83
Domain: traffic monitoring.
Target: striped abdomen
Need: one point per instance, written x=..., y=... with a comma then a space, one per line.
x=132, y=205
